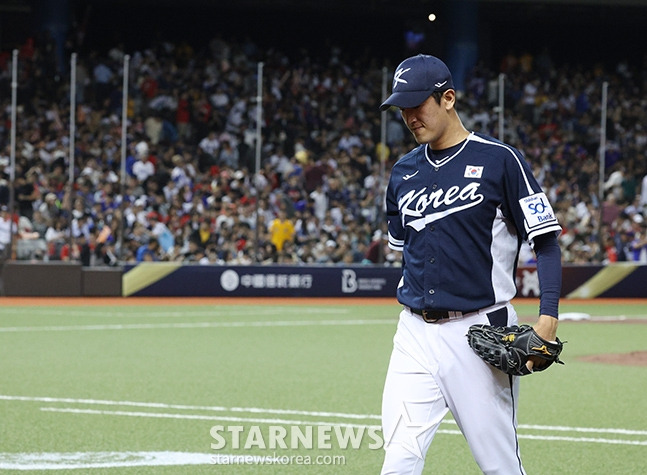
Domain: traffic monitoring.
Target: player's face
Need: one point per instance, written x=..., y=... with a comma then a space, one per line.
x=429, y=121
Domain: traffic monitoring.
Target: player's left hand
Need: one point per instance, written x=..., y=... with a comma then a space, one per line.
x=546, y=327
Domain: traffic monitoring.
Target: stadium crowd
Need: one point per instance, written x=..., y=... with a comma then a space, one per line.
x=191, y=190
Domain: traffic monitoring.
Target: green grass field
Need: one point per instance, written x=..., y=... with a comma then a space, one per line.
x=133, y=388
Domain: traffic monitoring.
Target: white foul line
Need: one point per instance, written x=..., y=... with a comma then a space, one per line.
x=202, y=417
x=159, y=405
x=155, y=326
x=319, y=423
x=183, y=313
x=257, y=410
x=77, y=460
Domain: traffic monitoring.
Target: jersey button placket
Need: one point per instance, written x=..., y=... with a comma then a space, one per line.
x=431, y=270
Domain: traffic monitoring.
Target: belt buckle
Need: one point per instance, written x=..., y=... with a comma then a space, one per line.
x=427, y=318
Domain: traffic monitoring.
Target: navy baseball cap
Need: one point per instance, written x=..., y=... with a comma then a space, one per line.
x=416, y=79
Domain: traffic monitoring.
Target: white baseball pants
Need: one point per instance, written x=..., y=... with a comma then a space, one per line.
x=432, y=371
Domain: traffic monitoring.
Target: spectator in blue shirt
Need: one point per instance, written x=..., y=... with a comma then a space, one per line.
x=148, y=252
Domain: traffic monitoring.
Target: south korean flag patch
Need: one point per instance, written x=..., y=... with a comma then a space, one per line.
x=538, y=212
x=473, y=171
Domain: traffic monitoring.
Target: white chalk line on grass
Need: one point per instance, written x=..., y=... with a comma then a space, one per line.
x=79, y=460
x=193, y=325
x=204, y=417
x=321, y=423
x=190, y=325
x=159, y=405
x=87, y=460
x=279, y=412
x=184, y=313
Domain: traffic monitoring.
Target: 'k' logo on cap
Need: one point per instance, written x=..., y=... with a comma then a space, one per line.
x=398, y=76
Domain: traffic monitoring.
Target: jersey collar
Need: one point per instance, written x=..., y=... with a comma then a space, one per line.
x=438, y=158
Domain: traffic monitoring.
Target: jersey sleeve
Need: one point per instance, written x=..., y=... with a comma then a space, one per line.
x=528, y=205
x=549, y=268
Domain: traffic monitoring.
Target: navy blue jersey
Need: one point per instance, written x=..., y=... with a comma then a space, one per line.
x=459, y=221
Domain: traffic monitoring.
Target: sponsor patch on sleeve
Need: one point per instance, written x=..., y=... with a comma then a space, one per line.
x=537, y=210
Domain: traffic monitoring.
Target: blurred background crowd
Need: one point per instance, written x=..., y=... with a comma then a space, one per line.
x=192, y=192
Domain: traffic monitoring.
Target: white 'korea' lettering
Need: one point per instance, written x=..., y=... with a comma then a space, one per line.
x=416, y=203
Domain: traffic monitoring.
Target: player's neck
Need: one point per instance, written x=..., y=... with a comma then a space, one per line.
x=449, y=139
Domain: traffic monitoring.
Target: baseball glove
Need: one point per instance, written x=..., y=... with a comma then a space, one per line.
x=508, y=348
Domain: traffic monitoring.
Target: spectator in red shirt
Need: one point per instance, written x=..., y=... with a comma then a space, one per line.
x=183, y=117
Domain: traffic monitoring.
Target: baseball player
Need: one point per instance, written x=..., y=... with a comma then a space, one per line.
x=458, y=206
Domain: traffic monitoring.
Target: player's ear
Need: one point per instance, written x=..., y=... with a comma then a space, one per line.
x=449, y=98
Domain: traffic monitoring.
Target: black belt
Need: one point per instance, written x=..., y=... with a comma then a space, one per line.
x=433, y=316
x=497, y=317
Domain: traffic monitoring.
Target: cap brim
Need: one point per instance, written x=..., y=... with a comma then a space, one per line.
x=405, y=100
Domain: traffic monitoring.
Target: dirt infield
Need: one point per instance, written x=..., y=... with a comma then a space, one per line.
x=634, y=358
